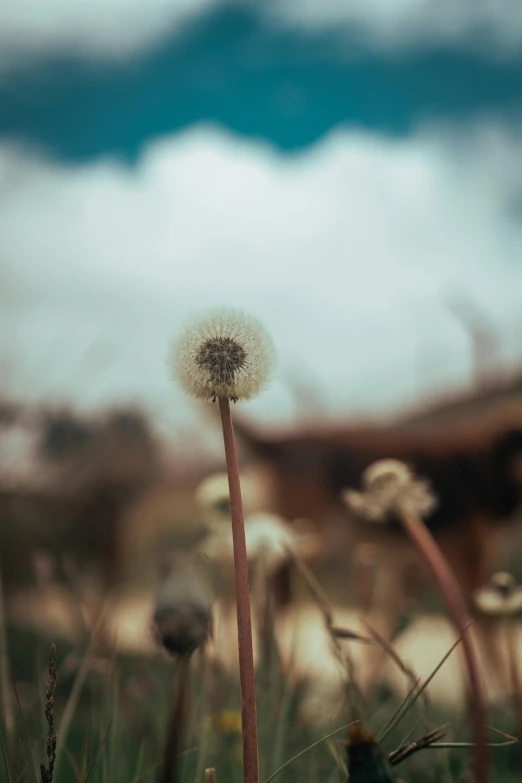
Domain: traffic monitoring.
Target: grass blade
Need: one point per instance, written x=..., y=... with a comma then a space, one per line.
x=394, y=655
x=4, y=753
x=402, y=711
x=74, y=695
x=98, y=752
x=26, y=732
x=159, y=763
x=302, y=752
x=514, y=741
x=74, y=765
x=408, y=698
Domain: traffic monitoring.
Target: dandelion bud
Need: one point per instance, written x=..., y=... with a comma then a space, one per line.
x=223, y=355
x=183, y=611
x=502, y=596
x=390, y=489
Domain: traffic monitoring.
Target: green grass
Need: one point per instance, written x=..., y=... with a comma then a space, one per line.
x=117, y=730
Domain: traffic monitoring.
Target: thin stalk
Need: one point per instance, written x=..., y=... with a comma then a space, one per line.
x=6, y=701
x=263, y=601
x=302, y=752
x=203, y=711
x=244, y=618
x=448, y=585
x=516, y=691
x=177, y=723
x=74, y=696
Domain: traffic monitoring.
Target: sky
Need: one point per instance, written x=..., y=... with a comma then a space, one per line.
x=338, y=169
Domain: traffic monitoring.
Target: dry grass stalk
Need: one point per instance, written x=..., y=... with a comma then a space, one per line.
x=353, y=692
x=47, y=773
x=405, y=751
x=6, y=700
x=81, y=674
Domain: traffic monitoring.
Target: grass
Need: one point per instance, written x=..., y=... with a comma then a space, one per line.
x=116, y=731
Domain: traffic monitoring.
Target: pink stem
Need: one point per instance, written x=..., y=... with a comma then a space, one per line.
x=244, y=619
x=437, y=564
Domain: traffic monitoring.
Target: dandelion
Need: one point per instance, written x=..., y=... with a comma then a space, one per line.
x=273, y=547
x=182, y=623
x=271, y=542
x=226, y=356
x=391, y=489
x=183, y=612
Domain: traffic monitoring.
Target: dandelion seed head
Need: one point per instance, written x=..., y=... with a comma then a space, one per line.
x=270, y=541
x=390, y=488
x=225, y=354
x=384, y=473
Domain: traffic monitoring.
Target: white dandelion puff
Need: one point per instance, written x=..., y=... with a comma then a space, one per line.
x=386, y=472
x=390, y=488
x=270, y=540
x=225, y=354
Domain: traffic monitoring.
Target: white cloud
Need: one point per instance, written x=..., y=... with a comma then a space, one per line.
x=112, y=30
x=342, y=251
x=88, y=29
x=491, y=26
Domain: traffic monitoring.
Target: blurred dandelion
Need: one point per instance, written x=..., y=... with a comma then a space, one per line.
x=183, y=612
x=270, y=541
x=273, y=546
x=392, y=490
x=182, y=624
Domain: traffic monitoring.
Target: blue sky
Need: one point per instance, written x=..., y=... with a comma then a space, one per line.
x=335, y=168
x=234, y=67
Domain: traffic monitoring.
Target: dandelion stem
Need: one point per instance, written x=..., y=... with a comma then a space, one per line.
x=437, y=564
x=244, y=619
